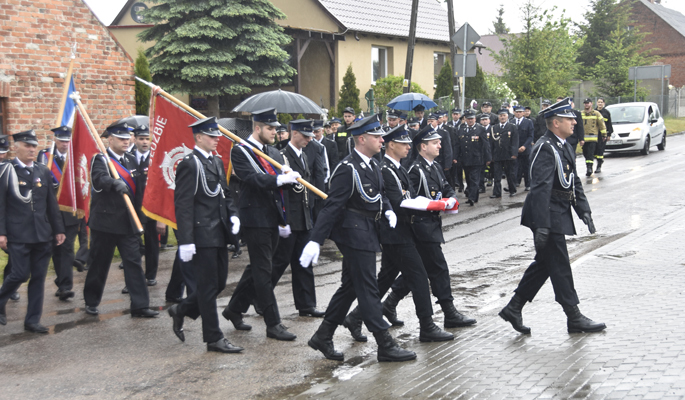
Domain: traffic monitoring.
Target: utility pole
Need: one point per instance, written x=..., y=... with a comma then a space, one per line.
x=453, y=49
x=410, y=46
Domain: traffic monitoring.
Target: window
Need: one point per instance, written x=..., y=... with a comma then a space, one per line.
x=379, y=63
x=439, y=60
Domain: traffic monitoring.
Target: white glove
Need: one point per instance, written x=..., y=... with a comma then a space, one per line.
x=392, y=218
x=286, y=169
x=236, y=225
x=310, y=254
x=289, y=178
x=284, y=231
x=451, y=202
x=186, y=251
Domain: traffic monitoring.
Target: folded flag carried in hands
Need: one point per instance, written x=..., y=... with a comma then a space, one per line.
x=425, y=204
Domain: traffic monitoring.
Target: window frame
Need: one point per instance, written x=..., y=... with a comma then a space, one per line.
x=384, y=64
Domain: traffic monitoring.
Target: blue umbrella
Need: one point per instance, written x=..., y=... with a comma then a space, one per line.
x=408, y=101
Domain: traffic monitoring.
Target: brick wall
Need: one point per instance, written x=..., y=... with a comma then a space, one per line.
x=668, y=42
x=35, y=48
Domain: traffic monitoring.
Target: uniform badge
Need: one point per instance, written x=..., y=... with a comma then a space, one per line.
x=363, y=165
x=22, y=183
x=559, y=144
x=433, y=193
x=509, y=133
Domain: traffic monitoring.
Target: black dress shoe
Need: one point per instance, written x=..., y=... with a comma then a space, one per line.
x=527, y=189
x=237, y=254
x=3, y=319
x=35, y=328
x=481, y=190
x=174, y=299
x=512, y=194
x=14, y=296
x=495, y=197
x=121, y=266
x=312, y=312
x=505, y=189
x=124, y=290
x=66, y=295
x=470, y=202
x=151, y=282
x=58, y=292
x=79, y=265
x=90, y=310
x=279, y=332
x=223, y=346
x=177, y=322
x=144, y=313
x=236, y=319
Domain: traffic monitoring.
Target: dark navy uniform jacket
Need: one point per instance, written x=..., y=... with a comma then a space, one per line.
x=429, y=181
x=108, y=210
x=397, y=187
x=548, y=205
x=35, y=221
x=474, y=146
x=526, y=133
x=202, y=219
x=300, y=199
x=69, y=218
x=260, y=202
x=346, y=216
x=504, y=141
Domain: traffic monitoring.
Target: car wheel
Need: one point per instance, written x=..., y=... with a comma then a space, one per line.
x=645, y=148
x=662, y=145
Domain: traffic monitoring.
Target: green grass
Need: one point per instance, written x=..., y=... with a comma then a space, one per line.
x=674, y=125
x=3, y=256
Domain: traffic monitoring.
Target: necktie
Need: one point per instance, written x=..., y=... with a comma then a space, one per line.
x=210, y=159
x=518, y=122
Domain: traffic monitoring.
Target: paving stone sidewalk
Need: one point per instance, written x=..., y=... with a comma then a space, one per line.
x=635, y=285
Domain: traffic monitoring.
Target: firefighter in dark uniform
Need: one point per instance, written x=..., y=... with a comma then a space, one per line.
x=263, y=215
x=412, y=131
x=473, y=153
x=205, y=226
x=428, y=181
x=300, y=220
x=393, y=117
x=445, y=157
x=526, y=132
x=30, y=222
x=540, y=124
x=111, y=225
x=456, y=170
x=351, y=215
x=486, y=174
x=63, y=255
x=419, y=112
x=555, y=189
x=399, y=244
x=601, y=144
x=504, y=144
x=486, y=108
x=4, y=148
x=342, y=138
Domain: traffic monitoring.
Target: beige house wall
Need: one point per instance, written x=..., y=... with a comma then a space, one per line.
x=305, y=14
x=315, y=74
x=358, y=54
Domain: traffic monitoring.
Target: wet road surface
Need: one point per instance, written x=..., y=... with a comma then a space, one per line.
x=633, y=201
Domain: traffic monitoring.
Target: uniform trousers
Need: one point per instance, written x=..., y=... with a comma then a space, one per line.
x=436, y=268
x=405, y=258
x=256, y=280
x=100, y=259
x=151, y=249
x=473, y=177
x=551, y=263
x=508, y=167
x=287, y=253
x=599, y=150
x=457, y=175
x=63, y=259
x=83, y=250
x=29, y=260
x=182, y=278
x=358, y=281
x=589, y=152
x=210, y=268
x=523, y=169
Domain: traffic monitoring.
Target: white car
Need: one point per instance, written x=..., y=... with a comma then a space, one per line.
x=637, y=127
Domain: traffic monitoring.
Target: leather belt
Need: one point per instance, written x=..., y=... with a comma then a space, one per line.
x=562, y=194
x=369, y=214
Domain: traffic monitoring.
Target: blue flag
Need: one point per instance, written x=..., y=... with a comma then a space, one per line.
x=69, y=106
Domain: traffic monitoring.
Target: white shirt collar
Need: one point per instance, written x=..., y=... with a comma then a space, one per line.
x=204, y=153
x=563, y=141
x=295, y=149
x=430, y=163
x=366, y=159
x=58, y=154
x=21, y=164
x=143, y=155
x=255, y=143
x=395, y=163
x=320, y=140
x=115, y=155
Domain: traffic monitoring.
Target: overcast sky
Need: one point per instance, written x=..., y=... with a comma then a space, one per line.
x=479, y=14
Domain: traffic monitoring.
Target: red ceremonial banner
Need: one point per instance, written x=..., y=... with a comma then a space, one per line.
x=171, y=140
x=74, y=191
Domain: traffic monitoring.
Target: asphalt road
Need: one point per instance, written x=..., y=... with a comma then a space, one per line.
x=114, y=356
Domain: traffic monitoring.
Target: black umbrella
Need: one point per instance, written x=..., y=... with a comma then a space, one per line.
x=282, y=101
x=135, y=121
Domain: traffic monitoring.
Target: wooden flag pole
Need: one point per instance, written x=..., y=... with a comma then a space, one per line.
x=103, y=151
x=230, y=135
